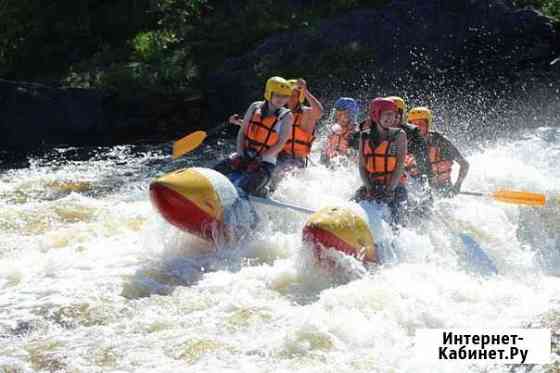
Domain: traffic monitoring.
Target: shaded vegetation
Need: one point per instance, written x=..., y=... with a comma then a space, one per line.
x=162, y=46
x=39, y=38
x=549, y=7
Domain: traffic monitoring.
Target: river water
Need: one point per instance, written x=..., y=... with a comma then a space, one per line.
x=93, y=280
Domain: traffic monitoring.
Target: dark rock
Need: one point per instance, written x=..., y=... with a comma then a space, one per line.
x=432, y=44
x=35, y=115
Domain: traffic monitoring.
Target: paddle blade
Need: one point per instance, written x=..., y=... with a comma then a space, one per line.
x=519, y=198
x=188, y=143
x=476, y=259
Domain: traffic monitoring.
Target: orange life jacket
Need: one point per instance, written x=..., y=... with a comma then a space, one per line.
x=261, y=134
x=300, y=141
x=441, y=168
x=338, y=144
x=380, y=162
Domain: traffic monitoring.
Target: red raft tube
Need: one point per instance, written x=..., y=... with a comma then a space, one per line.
x=341, y=229
x=200, y=201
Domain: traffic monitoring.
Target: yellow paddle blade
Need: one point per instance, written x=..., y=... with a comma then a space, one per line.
x=188, y=143
x=519, y=198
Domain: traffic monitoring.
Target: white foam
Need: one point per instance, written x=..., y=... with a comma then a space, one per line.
x=96, y=281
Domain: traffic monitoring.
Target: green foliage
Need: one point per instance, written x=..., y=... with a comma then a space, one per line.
x=194, y=37
x=230, y=28
x=549, y=7
x=40, y=38
x=332, y=63
x=152, y=45
x=163, y=45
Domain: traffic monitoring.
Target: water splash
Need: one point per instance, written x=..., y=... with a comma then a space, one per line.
x=92, y=279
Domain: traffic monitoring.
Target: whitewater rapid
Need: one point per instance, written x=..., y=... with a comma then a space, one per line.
x=93, y=280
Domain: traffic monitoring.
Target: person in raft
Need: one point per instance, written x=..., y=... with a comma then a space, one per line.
x=265, y=129
x=298, y=147
x=296, y=152
x=442, y=153
x=416, y=143
x=338, y=145
x=382, y=156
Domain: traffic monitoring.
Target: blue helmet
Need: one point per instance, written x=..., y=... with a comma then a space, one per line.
x=347, y=104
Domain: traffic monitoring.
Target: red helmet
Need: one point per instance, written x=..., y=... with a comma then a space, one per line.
x=379, y=105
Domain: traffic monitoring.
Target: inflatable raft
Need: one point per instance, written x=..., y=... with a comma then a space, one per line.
x=207, y=204
x=202, y=202
x=352, y=232
x=342, y=229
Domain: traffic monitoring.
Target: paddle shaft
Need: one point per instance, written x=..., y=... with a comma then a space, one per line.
x=473, y=194
x=217, y=129
x=513, y=197
x=271, y=202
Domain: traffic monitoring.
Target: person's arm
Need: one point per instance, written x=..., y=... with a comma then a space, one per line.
x=354, y=139
x=241, y=133
x=312, y=114
x=454, y=154
x=402, y=150
x=362, y=166
x=329, y=147
x=308, y=121
x=286, y=122
x=463, y=172
x=333, y=139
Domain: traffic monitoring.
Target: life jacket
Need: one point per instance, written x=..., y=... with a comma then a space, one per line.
x=381, y=161
x=338, y=144
x=300, y=141
x=261, y=132
x=441, y=168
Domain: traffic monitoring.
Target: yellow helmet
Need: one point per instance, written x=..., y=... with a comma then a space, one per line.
x=399, y=101
x=277, y=85
x=293, y=84
x=419, y=113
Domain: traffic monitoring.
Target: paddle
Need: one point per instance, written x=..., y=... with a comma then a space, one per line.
x=188, y=143
x=272, y=202
x=476, y=258
x=193, y=140
x=513, y=197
